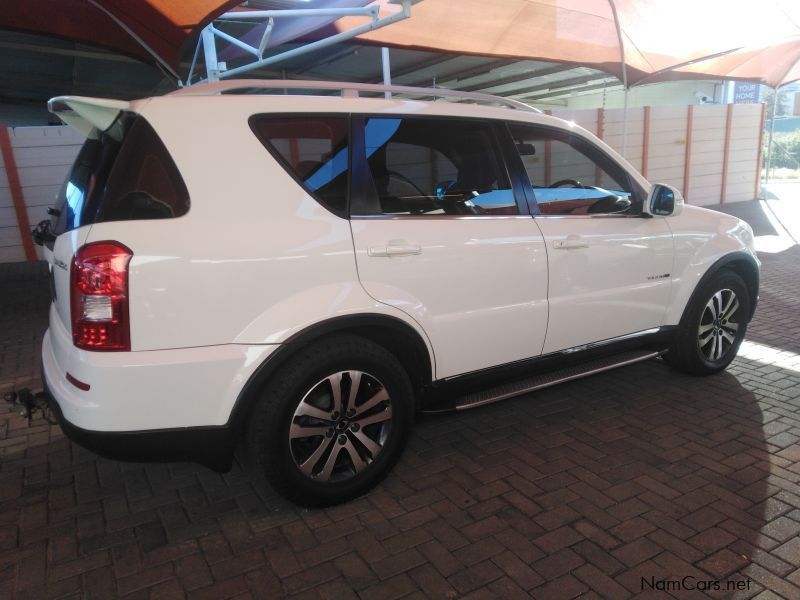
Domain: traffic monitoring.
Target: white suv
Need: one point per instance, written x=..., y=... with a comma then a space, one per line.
x=304, y=272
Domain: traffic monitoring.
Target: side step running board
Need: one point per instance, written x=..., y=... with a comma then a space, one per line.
x=538, y=382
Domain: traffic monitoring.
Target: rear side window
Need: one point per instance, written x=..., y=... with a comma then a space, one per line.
x=144, y=182
x=121, y=174
x=314, y=150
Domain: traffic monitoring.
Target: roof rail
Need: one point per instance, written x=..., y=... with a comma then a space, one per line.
x=346, y=89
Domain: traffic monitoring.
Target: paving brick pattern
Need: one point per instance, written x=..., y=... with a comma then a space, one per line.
x=587, y=489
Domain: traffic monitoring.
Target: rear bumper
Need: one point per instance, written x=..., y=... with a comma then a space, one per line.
x=210, y=446
x=146, y=390
x=155, y=405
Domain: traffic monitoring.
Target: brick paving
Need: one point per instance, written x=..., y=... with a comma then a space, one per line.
x=593, y=488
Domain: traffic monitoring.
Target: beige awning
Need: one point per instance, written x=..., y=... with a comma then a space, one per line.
x=655, y=34
x=774, y=64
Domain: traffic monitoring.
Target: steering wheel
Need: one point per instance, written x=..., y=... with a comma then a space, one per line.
x=563, y=182
x=408, y=182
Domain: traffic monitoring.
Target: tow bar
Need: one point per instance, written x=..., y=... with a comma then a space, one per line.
x=26, y=403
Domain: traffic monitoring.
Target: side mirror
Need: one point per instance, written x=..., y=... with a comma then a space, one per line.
x=664, y=201
x=526, y=149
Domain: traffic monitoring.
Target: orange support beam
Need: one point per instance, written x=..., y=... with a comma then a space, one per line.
x=763, y=126
x=598, y=173
x=687, y=161
x=726, y=153
x=548, y=158
x=17, y=198
x=646, y=141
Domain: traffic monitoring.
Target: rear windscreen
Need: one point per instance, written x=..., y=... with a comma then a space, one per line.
x=122, y=174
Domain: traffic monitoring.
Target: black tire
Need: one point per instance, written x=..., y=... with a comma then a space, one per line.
x=305, y=385
x=688, y=352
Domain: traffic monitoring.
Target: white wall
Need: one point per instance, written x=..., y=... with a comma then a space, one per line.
x=673, y=93
x=43, y=156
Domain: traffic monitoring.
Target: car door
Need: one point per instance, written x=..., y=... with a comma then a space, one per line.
x=610, y=264
x=441, y=234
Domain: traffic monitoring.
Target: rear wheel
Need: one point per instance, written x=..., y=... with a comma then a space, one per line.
x=332, y=423
x=713, y=326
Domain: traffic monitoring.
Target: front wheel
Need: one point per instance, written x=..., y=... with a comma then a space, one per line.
x=333, y=422
x=713, y=326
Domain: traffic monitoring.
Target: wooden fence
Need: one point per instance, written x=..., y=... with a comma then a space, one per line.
x=711, y=152
x=35, y=164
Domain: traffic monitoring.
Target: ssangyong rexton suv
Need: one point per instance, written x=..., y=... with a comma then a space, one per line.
x=302, y=273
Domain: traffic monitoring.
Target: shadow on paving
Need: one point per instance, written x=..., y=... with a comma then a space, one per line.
x=597, y=486
x=24, y=302
x=776, y=321
x=590, y=486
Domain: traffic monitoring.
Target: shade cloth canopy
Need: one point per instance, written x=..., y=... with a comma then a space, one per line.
x=773, y=63
x=167, y=27
x=653, y=35
x=656, y=34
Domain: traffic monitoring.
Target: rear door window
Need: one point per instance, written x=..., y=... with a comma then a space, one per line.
x=426, y=166
x=314, y=150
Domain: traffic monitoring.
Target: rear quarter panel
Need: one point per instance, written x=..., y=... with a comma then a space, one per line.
x=254, y=260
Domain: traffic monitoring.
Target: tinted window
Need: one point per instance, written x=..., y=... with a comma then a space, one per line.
x=433, y=166
x=121, y=174
x=569, y=176
x=314, y=150
x=144, y=182
x=85, y=184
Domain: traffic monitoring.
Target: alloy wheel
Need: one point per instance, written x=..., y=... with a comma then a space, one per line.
x=718, y=325
x=340, y=426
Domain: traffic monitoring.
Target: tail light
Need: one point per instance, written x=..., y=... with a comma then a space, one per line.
x=99, y=297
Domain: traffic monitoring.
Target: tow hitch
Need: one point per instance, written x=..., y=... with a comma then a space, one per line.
x=26, y=403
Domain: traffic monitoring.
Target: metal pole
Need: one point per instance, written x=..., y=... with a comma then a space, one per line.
x=367, y=11
x=624, y=75
x=387, y=71
x=138, y=39
x=210, y=53
x=625, y=122
x=325, y=42
x=769, y=143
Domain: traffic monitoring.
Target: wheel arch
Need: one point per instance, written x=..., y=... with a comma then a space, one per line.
x=398, y=337
x=741, y=263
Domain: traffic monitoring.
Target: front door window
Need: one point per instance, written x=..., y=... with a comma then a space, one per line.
x=569, y=177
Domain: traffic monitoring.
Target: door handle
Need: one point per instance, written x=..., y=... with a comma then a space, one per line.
x=395, y=248
x=570, y=243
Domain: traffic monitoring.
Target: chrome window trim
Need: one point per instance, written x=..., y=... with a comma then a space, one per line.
x=596, y=216
x=424, y=217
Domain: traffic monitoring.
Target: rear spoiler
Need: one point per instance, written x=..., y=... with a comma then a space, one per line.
x=85, y=114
